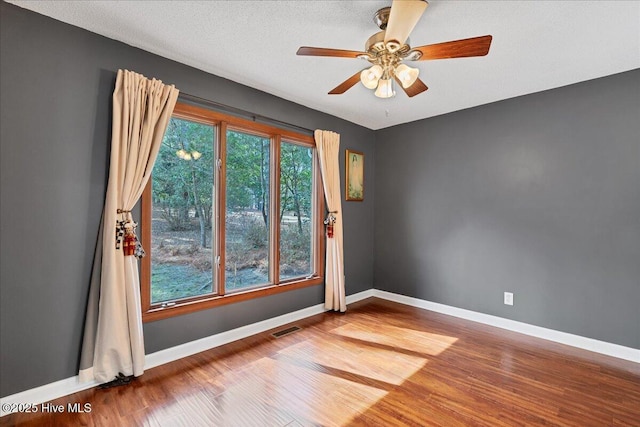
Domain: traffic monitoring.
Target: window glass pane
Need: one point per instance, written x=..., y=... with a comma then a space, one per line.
x=247, y=213
x=182, y=213
x=296, y=201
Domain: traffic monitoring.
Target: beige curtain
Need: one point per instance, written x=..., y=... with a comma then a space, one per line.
x=113, y=340
x=328, y=145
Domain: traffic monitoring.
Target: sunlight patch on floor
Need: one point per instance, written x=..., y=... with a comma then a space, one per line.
x=393, y=336
x=276, y=390
x=379, y=364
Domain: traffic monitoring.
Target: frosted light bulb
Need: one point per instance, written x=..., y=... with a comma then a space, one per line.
x=406, y=75
x=385, y=89
x=370, y=76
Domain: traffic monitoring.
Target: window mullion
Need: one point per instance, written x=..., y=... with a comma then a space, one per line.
x=319, y=212
x=145, y=263
x=221, y=208
x=274, y=224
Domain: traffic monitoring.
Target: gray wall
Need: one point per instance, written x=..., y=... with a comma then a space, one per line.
x=56, y=83
x=537, y=195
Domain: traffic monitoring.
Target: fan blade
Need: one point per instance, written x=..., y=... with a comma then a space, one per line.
x=476, y=46
x=346, y=85
x=321, y=51
x=416, y=88
x=404, y=15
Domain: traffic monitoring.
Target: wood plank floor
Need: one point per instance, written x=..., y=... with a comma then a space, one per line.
x=380, y=364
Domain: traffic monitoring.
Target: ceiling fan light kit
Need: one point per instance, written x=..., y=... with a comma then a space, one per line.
x=406, y=75
x=385, y=89
x=387, y=49
x=370, y=76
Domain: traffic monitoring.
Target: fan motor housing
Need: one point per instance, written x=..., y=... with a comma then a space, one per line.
x=375, y=43
x=376, y=46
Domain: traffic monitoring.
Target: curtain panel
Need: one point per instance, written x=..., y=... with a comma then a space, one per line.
x=113, y=341
x=328, y=145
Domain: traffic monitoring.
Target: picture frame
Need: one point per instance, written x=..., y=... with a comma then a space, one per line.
x=354, y=176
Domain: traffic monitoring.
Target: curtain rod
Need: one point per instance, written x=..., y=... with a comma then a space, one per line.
x=238, y=111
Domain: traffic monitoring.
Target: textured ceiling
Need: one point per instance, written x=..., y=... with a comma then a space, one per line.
x=537, y=45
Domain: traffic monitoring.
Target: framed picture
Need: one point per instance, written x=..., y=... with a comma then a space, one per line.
x=354, y=180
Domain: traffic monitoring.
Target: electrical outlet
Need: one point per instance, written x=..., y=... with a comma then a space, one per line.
x=508, y=298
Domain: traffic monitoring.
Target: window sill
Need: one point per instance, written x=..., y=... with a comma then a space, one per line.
x=157, y=312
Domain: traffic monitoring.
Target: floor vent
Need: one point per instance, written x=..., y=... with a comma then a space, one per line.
x=284, y=332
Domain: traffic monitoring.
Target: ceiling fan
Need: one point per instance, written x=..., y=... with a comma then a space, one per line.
x=387, y=50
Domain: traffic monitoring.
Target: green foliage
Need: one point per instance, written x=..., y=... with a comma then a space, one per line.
x=171, y=281
x=247, y=173
x=183, y=191
x=255, y=234
x=182, y=185
x=295, y=248
x=296, y=181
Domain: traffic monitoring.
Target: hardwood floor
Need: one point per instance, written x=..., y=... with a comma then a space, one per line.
x=380, y=364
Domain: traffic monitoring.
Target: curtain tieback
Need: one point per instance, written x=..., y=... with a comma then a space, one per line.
x=329, y=221
x=126, y=236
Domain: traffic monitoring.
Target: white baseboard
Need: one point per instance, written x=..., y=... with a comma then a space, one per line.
x=45, y=393
x=55, y=390
x=71, y=385
x=360, y=296
x=615, y=350
x=187, y=349
x=183, y=350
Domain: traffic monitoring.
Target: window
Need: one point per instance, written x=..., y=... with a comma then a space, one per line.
x=233, y=211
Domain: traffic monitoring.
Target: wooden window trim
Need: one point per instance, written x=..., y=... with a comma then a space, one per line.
x=274, y=211
x=222, y=123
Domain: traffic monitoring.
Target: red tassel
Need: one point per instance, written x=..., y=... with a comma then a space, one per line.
x=129, y=246
x=330, y=231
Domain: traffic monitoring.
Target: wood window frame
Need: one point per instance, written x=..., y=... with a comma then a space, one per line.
x=221, y=123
